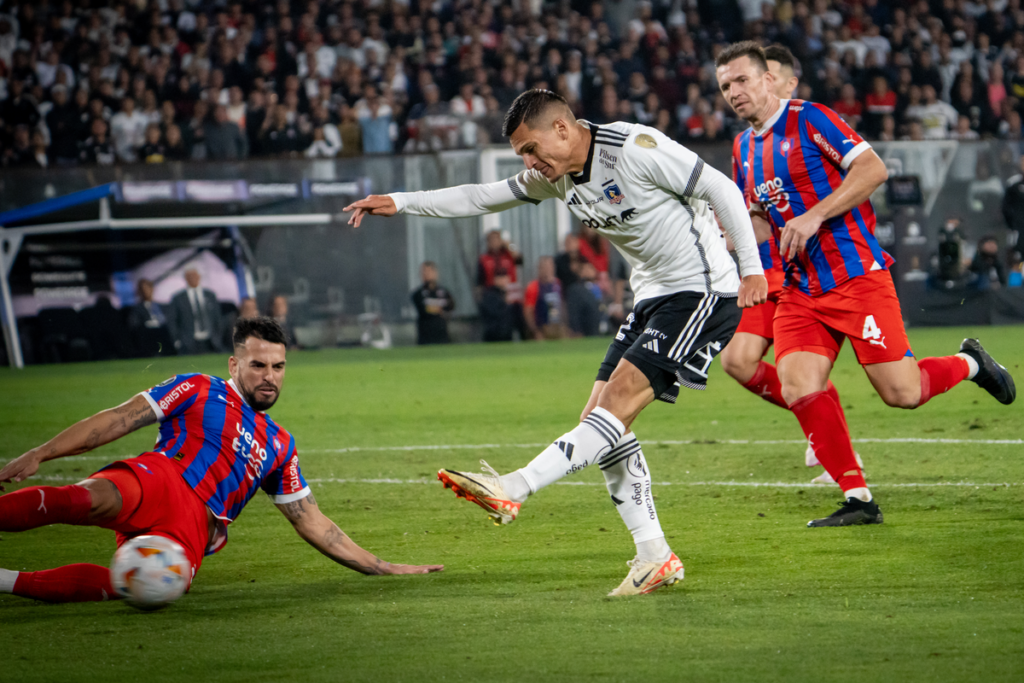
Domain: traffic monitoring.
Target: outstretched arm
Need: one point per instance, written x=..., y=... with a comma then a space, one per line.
x=320, y=532
x=92, y=432
x=529, y=187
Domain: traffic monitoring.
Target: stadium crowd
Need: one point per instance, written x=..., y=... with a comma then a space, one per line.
x=122, y=81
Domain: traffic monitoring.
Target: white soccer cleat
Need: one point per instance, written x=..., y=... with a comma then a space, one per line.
x=483, y=489
x=810, y=458
x=825, y=477
x=646, y=577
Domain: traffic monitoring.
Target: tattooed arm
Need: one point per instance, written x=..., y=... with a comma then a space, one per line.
x=320, y=532
x=92, y=432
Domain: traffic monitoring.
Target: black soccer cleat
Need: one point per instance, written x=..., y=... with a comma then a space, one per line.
x=992, y=377
x=851, y=512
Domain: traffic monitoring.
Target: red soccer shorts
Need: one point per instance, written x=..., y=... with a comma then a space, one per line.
x=759, y=320
x=167, y=505
x=864, y=308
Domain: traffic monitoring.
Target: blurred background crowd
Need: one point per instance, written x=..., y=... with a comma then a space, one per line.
x=126, y=81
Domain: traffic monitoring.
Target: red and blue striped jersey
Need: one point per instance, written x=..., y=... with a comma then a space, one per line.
x=799, y=158
x=771, y=260
x=226, y=449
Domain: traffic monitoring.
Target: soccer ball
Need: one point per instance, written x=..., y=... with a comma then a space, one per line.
x=150, y=572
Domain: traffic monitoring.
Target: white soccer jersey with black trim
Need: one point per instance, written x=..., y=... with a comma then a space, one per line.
x=650, y=196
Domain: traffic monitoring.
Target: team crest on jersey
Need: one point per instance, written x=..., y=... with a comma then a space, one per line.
x=785, y=146
x=613, y=194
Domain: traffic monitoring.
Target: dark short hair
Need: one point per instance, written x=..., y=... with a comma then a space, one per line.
x=744, y=48
x=528, y=106
x=782, y=55
x=260, y=327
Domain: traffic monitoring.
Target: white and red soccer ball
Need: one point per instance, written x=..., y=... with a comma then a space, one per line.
x=150, y=572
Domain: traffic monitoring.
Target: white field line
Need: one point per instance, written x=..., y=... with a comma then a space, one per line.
x=750, y=484
x=494, y=446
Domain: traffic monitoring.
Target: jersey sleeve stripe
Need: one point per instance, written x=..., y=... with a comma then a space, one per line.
x=691, y=184
x=853, y=154
x=154, y=405
x=519, y=194
x=291, y=497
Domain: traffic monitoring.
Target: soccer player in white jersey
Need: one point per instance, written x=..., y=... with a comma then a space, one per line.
x=653, y=199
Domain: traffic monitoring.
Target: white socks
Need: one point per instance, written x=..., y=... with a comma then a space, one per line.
x=971, y=363
x=515, y=486
x=7, y=580
x=629, y=485
x=590, y=441
x=861, y=493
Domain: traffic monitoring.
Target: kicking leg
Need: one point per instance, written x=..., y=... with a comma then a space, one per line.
x=620, y=400
x=73, y=583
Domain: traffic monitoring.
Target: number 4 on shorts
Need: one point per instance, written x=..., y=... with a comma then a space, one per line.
x=871, y=330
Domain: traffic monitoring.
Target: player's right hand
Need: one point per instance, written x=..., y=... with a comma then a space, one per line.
x=374, y=205
x=753, y=291
x=413, y=568
x=20, y=469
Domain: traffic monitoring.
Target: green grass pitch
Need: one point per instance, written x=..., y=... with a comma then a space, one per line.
x=934, y=594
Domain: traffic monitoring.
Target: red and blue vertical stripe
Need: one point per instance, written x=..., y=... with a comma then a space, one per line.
x=793, y=166
x=227, y=450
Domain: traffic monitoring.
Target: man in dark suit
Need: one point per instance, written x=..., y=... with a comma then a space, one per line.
x=148, y=324
x=194, y=318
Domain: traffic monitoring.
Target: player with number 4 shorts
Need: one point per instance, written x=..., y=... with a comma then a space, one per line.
x=743, y=358
x=653, y=199
x=813, y=175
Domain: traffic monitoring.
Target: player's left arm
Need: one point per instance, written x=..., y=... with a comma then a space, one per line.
x=320, y=532
x=85, y=435
x=865, y=173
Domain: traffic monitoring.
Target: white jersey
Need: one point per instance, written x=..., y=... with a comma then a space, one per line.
x=650, y=196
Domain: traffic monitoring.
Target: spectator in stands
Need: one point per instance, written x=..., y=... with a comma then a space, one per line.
x=350, y=131
x=434, y=305
x=498, y=257
x=583, y=302
x=878, y=104
x=194, y=318
x=174, y=145
x=20, y=153
x=128, y=131
x=937, y=118
x=279, y=312
x=248, y=308
x=567, y=262
x=224, y=140
x=147, y=324
x=65, y=127
x=375, y=120
x=500, y=316
x=96, y=149
x=542, y=303
x=153, y=150
x=987, y=267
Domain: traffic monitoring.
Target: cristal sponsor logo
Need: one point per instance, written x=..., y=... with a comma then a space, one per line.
x=256, y=455
x=827, y=148
x=178, y=392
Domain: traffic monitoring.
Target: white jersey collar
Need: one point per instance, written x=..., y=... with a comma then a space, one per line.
x=774, y=118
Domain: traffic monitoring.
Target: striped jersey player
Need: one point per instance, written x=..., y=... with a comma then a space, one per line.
x=814, y=177
x=653, y=200
x=743, y=358
x=216, y=448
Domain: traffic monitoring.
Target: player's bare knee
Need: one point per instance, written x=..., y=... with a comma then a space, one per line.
x=738, y=367
x=901, y=397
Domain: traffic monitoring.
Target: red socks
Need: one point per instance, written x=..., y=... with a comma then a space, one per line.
x=38, y=506
x=73, y=583
x=939, y=375
x=765, y=383
x=822, y=421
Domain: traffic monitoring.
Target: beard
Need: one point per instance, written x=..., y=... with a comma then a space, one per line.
x=252, y=398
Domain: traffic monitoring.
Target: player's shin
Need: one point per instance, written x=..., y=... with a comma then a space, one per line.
x=939, y=375
x=629, y=485
x=822, y=421
x=594, y=437
x=72, y=583
x=37, y=506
